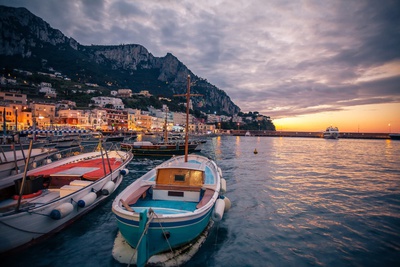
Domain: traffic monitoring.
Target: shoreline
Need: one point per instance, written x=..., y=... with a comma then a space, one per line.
x=344, y=135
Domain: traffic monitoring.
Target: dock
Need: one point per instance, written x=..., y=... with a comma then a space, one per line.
x=349, y=135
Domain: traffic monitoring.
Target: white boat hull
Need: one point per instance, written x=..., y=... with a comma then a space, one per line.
x=35, y=221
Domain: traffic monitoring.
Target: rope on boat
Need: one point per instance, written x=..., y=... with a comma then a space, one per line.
x=166, y=238
x=151, y=213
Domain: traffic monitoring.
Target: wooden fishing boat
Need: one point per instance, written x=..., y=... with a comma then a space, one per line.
x=44, y=200
x=146, y=148
x=173, y=144
x=171, y=205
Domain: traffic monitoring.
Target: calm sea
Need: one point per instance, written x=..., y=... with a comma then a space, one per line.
x=298, y=202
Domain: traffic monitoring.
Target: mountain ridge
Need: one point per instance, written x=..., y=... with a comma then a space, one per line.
x=27, y=41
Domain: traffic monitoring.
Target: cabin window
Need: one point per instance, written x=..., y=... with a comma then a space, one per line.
x=175, y=194
x=179, y=178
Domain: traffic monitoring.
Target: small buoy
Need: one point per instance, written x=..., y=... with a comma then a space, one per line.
x=255, y=151
x=124, y=171
x=218, y=210
x=108, y=188
x=87, y=200
x=61, y=211
x=227, y=204
x=223, y=186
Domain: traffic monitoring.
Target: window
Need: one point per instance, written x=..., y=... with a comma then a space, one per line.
x=179, y=178
x=175, y=194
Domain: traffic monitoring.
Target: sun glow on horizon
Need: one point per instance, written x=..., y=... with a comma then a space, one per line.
x=379, y=118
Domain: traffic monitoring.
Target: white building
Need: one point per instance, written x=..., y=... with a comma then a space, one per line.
x=124, y=92
x=102, y=101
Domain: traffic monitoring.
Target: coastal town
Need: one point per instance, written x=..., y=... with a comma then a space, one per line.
x=104, y=113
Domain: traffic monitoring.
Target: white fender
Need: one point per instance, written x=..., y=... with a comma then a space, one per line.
x=48, y=161
x=34, y=164
x=61, y=211
x=124, y=171
x=57, y=156
x=220, y=171
x=228, y=204
x=108, y=188
x=218, y=212
x=223, y=186
x=87, y=200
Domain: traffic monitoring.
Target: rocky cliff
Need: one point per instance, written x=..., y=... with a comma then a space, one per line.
x=26, y=41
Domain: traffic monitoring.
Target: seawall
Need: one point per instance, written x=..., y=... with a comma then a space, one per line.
x=310, y=134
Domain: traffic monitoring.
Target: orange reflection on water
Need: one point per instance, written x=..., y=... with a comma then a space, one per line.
x=237, y=150
x=217, y=146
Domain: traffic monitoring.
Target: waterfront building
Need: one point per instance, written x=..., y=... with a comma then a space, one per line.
x=44, y=114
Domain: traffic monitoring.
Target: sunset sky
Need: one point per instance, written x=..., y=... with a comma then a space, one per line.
x=306, y=64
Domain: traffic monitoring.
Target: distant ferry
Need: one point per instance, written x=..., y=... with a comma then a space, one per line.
x=331, y=133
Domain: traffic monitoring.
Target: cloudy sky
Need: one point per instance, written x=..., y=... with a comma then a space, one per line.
x=311, y=62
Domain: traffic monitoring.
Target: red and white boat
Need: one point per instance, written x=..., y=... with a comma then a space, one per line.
x=46, y=199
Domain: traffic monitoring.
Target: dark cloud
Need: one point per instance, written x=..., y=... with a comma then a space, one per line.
x=277, y=57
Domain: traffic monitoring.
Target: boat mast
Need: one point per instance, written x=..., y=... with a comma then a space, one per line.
x=165, y=126
x=188, y=95
x=187, y=119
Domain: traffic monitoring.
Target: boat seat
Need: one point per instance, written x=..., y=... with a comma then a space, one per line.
x=60, y=181
x=132, y=199
x=206, y=198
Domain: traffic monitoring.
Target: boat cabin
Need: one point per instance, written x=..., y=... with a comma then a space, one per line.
x=179, y=183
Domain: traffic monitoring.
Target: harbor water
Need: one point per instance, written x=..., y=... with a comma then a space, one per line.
x=297, y=202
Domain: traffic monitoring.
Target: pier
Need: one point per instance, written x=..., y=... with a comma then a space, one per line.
x=352, y=135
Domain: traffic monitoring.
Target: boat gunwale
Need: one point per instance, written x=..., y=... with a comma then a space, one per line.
x=77, y=192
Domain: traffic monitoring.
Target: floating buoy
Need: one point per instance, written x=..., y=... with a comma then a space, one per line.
x=255, y=151
x=108, y=188
x=227, y=204
x=61, y=211
x=87, y=200
x=218, y=212
x=223, y=186
x=124, y=171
